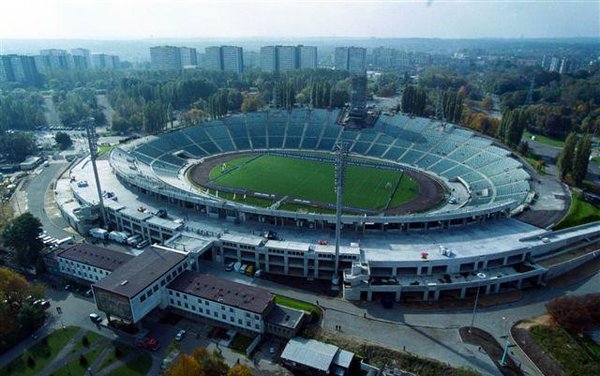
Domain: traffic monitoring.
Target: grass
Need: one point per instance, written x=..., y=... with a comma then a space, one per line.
x=298, y=304
x=138, y=366
x=42, y=353
x=366, y=187
x=216, y=172
x=544, y=139
x=568, y=354
x=240, y=343
x=75, y=367
x=580, y=212
x=111, y=357
x=92, y=338
x=105, y=149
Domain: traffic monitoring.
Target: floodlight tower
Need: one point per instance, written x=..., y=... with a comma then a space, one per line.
x=93, y=145
x=341, y=159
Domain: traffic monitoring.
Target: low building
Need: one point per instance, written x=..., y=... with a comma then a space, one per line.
x=227, y=302
x=284, y=321
x=87, y=263
x=318, y=358
x=138, y=286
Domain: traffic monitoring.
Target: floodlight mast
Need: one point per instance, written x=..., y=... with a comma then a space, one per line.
x=93, y=146
x=341, y=159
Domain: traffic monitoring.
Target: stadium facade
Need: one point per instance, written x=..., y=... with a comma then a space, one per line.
x=469, y=242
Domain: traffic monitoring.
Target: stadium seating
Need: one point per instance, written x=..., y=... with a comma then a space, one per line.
x=446, y=150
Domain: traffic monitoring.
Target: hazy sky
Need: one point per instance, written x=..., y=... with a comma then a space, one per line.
x=133, y=19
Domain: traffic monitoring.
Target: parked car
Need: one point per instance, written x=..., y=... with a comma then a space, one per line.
x=229, y=267
x=142, y=244
x=243, y=269
x=95, y=318
x=258, y=273
x=180, y=335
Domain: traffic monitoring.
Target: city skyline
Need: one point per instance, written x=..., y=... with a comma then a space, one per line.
x=93, y=19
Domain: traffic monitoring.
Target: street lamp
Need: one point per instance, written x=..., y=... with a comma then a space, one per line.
x=502, y=360
x=481, y=277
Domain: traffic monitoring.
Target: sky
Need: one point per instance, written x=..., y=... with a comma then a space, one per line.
x=146, y=19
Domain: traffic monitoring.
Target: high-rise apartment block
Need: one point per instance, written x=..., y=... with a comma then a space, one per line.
x=165, y=58
x=224, y=58
x=18, y=68
x=188, y=57
x=352, y=59
x=284, y=58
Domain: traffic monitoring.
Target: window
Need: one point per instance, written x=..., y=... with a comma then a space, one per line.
x=257, y=326
x=205, y=302
x=216, y=314
x=247, y=314
x=208, y=311
x=162, y=282
x=172, y=302
x=170, y=292
x=256, y=317
x=240, y=321
x=230, y=309
x=142, y=298
x=149, y=293
x=186, y=305
x=232, y=319
x=185, y=297
x=224, y=317
x=193, y=308
x=155, y=289
x=200, y=309
x=179, y=303
x=199, y=301
x=177, y=294
x=248, y=323
x=222, y=308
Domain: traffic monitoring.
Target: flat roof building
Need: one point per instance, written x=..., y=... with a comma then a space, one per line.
x=89, y=263
x=307, y=57
x=224, y=58
x=317, y=357
x=165, y=57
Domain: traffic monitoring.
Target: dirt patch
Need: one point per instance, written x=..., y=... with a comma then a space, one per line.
x=431, y=192
x=521, y=335
x=494, y=350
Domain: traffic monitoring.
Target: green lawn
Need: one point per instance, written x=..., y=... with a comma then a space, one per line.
x=42, y=353
x=105, y=149
x=366, y=187
x=112, y=356
x=138, y=366
x=76, y=368
x=298, y=304
x=569, y=355
x=249, y=200
x=544, y=139
x=580, y=212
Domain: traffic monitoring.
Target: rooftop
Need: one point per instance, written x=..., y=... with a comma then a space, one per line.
x=284, y=316
x=310, y=352
x=140, y=272
x=224, y=291
x=92, y=255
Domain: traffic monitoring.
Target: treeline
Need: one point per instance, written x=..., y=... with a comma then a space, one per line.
x=15, y=147
x=574, y=158
x=76, y=106
x=20, y=109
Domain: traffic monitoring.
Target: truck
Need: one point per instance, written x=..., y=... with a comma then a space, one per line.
x=118, y=236
x=134, y=240
x=99, y=233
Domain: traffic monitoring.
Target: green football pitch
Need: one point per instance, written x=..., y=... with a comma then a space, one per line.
x=366, y=187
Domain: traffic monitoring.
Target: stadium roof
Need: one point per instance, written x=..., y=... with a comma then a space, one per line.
x=140, y=272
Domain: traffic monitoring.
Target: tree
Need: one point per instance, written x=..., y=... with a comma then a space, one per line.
x=199, y=363
x=252, y=102
x=487, y=103
x=566, y=156
x=239, y=370
x=21, y=234
x=17, y=146
x=186, y=365
x=63, y=140
x=581, y=159
x=575, y=313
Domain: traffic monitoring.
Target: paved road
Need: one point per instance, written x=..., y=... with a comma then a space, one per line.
x=37, y=187
x=550, y=153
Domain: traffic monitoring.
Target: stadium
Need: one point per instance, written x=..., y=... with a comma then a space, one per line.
x=427, y=207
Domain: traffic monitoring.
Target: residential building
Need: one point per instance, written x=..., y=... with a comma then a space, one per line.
x=268, y=58
x=233, y=59
x=188, y=57
x=308, y=57
x=87, y=263
x=352, y=59
x=224, y=58
x=55, y=59
x=165, y=57
x=287, y=58
x=82, y=53
x=18, y=68
x=104, y=61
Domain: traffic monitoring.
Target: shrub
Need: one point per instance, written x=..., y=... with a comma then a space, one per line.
x=30, y=362
x=575, y=313
x=83, y=360
x=85, y=341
